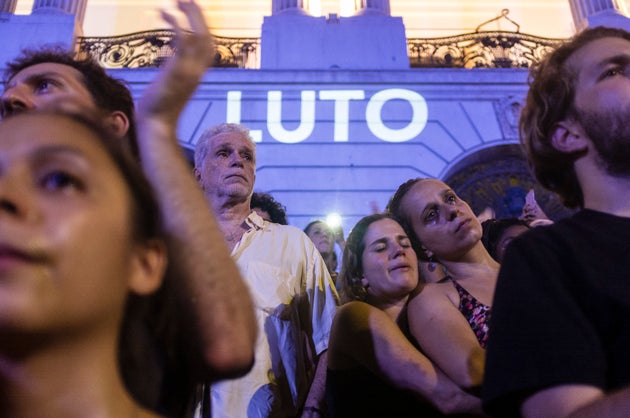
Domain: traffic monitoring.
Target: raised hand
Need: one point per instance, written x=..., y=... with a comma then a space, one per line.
x=167, y=96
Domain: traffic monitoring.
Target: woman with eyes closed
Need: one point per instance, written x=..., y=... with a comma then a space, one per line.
x=449, y=319
x=81, y=254
x=373, y=368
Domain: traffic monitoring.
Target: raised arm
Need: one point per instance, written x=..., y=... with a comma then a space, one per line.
x=446, y=337
x=216, y=299
x=365, y=335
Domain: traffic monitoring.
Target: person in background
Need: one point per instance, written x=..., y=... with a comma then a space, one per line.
x=268, y=208
x=498, y=233
x=373, y=368
x=450, y=318
x=294, y=295
x=215, y=327
x=559, y=340
x=324, y=237
x=69, y=302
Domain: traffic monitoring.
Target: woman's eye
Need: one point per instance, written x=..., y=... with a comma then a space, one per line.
x=58, y=180
x=431, y=215
x=612, y=72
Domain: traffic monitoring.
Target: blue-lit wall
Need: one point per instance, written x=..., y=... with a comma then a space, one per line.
x=317, y=159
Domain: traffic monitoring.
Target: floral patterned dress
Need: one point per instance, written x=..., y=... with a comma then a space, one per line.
x=476, y=313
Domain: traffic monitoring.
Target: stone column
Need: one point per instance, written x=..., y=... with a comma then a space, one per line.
x=7, y=6
x=591, y=13
x=289, y=6
x=373, y=7
x=70, y=7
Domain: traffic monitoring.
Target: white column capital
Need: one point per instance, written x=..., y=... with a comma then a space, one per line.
x=597, y=13
x=7, y=6
x=289, y=6
x=373, y=7
x=71, y=7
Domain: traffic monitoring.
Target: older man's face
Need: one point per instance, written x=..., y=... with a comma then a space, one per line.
x=229, y=169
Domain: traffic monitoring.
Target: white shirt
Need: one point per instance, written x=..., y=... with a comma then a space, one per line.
x=295, y=303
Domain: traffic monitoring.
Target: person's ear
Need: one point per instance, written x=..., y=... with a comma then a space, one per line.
x=568, y=137
x=364, y=282
x=119, y=123
x=148, y=267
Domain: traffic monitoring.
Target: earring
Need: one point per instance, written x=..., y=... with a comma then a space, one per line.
x=431, y=265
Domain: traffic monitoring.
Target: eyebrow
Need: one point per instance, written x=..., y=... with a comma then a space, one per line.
x=45, y=152
x=619, y=59
x=34, y=77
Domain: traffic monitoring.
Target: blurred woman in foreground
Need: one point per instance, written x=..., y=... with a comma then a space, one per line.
x=81, y=253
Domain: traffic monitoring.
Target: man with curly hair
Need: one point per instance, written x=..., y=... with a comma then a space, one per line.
x=560, y=334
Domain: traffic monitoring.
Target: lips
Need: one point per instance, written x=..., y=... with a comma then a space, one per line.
x=462, y=224
x=10, y=254
x=240, y=176
x=400, y=267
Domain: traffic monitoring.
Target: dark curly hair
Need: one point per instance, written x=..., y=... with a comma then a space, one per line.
x=550, y=99
x=109, y=94
x=277, y=212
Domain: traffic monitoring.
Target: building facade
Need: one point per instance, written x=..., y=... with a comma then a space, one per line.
x=346, y=108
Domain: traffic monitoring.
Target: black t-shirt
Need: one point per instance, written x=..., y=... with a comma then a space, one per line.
x=561, y=312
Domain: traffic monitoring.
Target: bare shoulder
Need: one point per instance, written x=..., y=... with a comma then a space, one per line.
x=433, y=295
x=354, y=312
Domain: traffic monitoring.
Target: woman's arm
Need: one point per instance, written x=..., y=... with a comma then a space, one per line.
x=446, y=337
x=362, y=334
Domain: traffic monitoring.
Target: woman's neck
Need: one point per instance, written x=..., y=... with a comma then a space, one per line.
x=475, y=263
x=74, y=377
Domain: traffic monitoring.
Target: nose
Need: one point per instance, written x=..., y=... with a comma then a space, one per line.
x=237, y=160
x=13, y=101
x=14, y=200
x=453, y=212
x=398, y=251
x=7, y=206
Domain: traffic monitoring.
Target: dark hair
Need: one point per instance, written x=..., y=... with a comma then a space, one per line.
x=394, y=206
x=266, y=202
x=351, y=273
x=493, y=229
x=550, y=99
x=311, y=224
x=109, y=94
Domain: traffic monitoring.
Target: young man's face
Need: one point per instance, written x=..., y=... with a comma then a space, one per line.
x=46, y=85
x=602, y=100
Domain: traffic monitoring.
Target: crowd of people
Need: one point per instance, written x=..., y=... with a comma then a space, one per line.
x=196, y=298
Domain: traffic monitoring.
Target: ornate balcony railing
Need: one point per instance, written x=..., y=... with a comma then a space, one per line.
x=152, y=48
x=487, y=49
